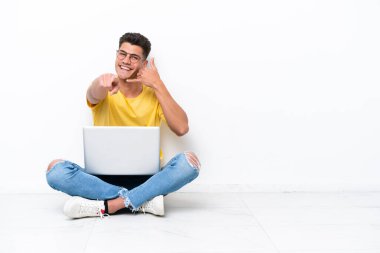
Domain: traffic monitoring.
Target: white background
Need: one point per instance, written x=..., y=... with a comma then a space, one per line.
x=281, y=95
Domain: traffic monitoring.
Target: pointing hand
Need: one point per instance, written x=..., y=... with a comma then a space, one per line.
x=109, y=82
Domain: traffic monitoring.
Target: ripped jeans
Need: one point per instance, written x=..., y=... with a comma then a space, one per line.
x=70, y=178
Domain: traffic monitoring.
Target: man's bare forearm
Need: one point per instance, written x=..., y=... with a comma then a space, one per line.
x=99, y=88
x=175, y=116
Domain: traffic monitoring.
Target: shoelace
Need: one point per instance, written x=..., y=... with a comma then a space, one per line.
x=146, y=205
x=102, y=215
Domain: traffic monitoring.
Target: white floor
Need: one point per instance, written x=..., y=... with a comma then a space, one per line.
x=200, y=222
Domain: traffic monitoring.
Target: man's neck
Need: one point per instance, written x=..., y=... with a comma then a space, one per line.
x=130, y=90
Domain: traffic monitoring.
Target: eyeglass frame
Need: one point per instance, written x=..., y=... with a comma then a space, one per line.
x=121, y=55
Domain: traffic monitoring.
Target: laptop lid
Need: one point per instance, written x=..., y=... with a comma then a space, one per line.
x=120, y=150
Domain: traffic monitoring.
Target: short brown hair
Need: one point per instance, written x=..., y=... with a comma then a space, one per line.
x=138, y=40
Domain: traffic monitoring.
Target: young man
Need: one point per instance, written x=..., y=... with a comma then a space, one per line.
x=136, y=96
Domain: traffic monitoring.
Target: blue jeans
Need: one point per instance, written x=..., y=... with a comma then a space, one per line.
x=70, y=178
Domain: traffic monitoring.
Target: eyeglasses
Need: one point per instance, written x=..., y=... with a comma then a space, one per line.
x=121, y=55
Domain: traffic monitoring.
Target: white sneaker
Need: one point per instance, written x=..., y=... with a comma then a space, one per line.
x=154, y=206
x=78, y=207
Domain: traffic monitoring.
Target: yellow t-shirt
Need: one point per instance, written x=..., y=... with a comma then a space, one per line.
x=117, y=110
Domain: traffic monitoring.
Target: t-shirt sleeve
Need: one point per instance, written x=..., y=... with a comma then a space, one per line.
x=93, y=107
x=161, y=114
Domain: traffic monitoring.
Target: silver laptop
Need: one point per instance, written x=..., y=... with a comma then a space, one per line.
x=121, y=150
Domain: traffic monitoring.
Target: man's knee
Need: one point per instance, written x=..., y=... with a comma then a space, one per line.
x=193, y=160
x=52, y=163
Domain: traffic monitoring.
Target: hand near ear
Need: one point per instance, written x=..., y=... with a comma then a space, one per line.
x=148, y=75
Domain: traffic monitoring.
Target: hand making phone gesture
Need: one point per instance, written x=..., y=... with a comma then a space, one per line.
x=148, y=75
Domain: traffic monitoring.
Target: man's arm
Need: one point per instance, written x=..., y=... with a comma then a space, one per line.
x=99, y=88
x=175, y=116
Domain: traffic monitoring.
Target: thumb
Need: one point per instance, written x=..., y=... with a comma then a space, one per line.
x=114, y=90
x=114, y=85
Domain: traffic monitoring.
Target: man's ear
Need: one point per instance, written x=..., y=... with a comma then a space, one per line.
x=145, y=63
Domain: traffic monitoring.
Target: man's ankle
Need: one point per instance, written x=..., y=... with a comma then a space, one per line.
x=114, y=205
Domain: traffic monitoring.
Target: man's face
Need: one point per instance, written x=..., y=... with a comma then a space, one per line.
x=129, y=60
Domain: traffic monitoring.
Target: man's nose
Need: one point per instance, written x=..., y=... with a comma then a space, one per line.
x=127, y=59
